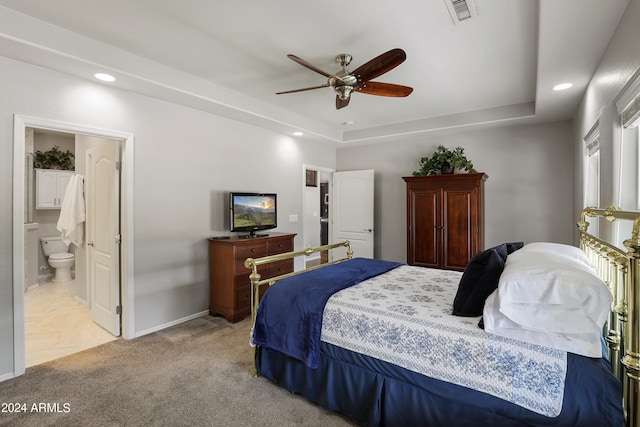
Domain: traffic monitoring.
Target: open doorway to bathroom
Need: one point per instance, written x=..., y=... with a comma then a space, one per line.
x=58, y=319
x=38, y=301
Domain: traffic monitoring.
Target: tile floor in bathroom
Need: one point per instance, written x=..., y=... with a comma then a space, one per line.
x=56, y=325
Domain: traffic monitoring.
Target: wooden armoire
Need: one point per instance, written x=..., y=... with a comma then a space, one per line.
x=445, y=219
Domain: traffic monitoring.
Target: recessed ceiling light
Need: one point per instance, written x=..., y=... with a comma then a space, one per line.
x=104, y=77
x=298, y=133
x=562, y=86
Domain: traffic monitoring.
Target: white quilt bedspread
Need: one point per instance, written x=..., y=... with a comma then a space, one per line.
x=404, y=317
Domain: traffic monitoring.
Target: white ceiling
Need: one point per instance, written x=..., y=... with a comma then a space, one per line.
x=229, y=57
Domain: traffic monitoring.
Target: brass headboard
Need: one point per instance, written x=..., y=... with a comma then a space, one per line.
x=620, y=270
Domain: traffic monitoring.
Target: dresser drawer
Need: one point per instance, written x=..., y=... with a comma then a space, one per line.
x=242, y=276
x=279, y=246
x=243, y=296
x=251, y=251
x=280, y=267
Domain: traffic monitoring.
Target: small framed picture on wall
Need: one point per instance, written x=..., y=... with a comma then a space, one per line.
x=312, y=178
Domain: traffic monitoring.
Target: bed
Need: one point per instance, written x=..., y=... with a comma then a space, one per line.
x=377, y=340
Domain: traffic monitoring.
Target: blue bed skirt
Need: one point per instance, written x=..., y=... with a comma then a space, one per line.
x=375, y=393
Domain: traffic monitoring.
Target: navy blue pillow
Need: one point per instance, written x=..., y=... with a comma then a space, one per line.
x=480, y=279
x=513, y=246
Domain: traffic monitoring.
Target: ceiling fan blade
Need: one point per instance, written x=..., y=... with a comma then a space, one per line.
x=303, y=89
x=384, y=89
x=309, y=65
x=380, y=65
x=341, y=103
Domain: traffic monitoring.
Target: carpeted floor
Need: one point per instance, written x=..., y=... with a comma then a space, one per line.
x=193, y=374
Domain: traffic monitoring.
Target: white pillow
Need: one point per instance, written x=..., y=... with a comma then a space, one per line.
x=549, y=297
x=498, y=324
x=558, y=249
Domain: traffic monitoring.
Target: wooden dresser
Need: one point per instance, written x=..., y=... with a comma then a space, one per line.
x=445, y=219
x=229, y=279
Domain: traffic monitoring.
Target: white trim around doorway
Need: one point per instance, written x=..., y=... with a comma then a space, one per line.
x=20, y=123
x=305, y=231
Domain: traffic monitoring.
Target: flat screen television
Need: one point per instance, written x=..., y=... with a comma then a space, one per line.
x=252, y=212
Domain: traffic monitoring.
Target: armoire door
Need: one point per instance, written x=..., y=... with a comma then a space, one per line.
x=425, y=235
x=459, y=226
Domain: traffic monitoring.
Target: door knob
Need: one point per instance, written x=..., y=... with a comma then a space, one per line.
x=90, y=243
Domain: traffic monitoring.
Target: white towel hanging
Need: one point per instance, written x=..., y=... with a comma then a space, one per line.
x=72, y=214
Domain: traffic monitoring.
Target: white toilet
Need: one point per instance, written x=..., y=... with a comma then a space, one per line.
x=59, y=257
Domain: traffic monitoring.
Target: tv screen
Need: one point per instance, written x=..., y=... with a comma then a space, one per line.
x=253, y=212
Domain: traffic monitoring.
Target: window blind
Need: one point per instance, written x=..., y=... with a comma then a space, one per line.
x=628, y=102
x=592, y=139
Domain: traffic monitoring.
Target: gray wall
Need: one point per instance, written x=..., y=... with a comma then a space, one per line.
x=619, y=63
x=184, y=162
x=527, y=196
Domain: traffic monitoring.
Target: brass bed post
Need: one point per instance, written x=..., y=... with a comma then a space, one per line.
x=631, y=358
x=619, y=311
x=254, y=277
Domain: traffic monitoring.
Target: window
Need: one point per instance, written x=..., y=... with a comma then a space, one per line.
x=592, y=172
x=627, y=160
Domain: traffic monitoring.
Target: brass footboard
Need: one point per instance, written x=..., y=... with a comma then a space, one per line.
x=620, y=270
x=253, y=264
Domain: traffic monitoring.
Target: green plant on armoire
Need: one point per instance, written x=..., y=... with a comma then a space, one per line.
x=444, y=161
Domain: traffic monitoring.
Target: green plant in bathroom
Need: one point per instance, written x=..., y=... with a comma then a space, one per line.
x=444, y=161
x=54, y=159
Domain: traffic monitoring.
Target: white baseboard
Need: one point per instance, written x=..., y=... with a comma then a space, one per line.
x=81, y=301
x=169, y=324
x=6, y=377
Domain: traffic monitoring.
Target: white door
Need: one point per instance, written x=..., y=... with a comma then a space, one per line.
x=103, y=238
x=352, y=210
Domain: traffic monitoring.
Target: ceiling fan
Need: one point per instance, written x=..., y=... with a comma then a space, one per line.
x=359, y=80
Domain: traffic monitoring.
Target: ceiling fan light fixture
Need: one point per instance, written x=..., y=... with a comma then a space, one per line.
x=344, y=91
x=344, y=82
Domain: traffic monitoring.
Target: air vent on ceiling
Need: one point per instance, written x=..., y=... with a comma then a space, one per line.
x=461, y=10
